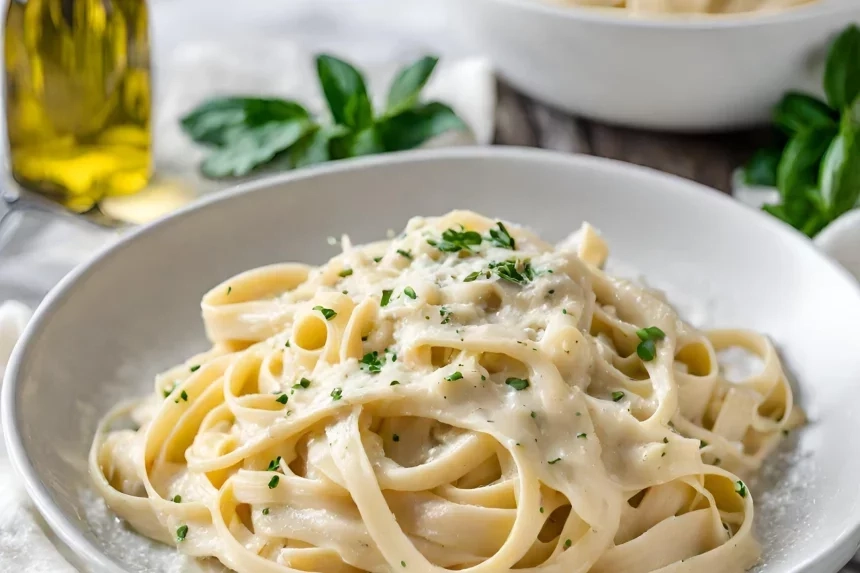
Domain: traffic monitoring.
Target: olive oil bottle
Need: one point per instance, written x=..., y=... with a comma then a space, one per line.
x=78, y=98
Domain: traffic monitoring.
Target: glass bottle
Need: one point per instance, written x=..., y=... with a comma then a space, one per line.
x=78, y=98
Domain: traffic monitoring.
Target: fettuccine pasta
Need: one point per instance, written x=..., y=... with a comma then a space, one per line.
x=464, y=396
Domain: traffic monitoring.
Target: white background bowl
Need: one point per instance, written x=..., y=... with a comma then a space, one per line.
x=134, y=310
x=673, y=73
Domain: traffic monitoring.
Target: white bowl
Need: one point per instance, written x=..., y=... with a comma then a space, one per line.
x=134, y=310
x=672, y=73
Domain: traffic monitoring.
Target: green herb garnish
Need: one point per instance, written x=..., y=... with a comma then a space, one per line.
x=395, y=437
x=177, y=499
x=386, y=297
x=555, y=461
x=741, y=488
x=472, y=276
x=337, y=394
x=517, y=383
x=326, y=312
x=501, y=238
x=454, y=241
x=273, y=483
x=303, y=383
x=394, y=383
x=372, y=362
x=567, y=543
x=282, y=399
x=265, y=511
x=647, y=349
x=404, y=254
x=455, y=376
x=345, y=273
x=184, y=395
x=515, y=271
x=229, y=289
x=816, y=166
x=274, y=464
x=181, y=532
x=408, y=291
x=582, y=435
x=616, y=396
x=195, y=368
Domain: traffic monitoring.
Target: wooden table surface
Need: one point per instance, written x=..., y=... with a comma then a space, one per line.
x=706, y=158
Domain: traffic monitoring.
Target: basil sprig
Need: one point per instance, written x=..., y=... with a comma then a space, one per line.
x=249, y=133
x=817, y=170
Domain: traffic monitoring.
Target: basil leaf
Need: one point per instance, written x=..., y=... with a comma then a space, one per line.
x=345, y=92
x=408, y=83
x=797, y=112
x=413, y=127
x=798, y=171
x=840, y=171
x=842, y=72
x=251, y=147
x=761, y=168
x=212, y=122
x=314, y=147
x=777, y=211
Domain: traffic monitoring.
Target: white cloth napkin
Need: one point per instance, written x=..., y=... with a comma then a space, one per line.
x=204, y=48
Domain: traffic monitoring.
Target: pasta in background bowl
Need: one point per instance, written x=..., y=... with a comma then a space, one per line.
x=656, y=64
x=261, y=451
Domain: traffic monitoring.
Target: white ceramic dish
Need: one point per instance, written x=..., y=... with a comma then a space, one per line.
x=673, y=73
x=134, y=310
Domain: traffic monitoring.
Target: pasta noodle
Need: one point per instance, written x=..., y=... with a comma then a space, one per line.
x=691, y=6
x=464, y=396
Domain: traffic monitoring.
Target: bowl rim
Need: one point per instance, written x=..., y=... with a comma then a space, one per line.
x=699, y=22
x=71, y=535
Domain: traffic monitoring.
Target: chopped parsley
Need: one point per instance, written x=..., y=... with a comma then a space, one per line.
x=394, y=383
x=501, y=238
x=344, y=273
x=541, y=509
x=395, y=437
x=404, y=254
x=403, y=563
x=282, y=399
x=582, y=435
x=377, y=259
x=169, y=391
x=703, y=444
x=515, y=271
x=567, y=543
x=455, y=376
x=534, y=414
x=326, y=312
x=454, y=241
x=741, y=488
x=177, y=499
x=274, y=465
x=337, y=394
x=555, y=461
x=273, y=483
x=195, y=368
x=410, y=292
x=287, y=344
x=184, y=395
x=181, y=532
x=265, y=511
x=229, y=289
x=445, y=314
x=616, y=396
x=372, y=362
x=517, y=383
x=665, y=440
x=647, y=349
x=472, y=276
x=303, y=383
x=386, y=297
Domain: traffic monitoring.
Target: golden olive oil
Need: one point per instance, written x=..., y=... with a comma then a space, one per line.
x=78, y=98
